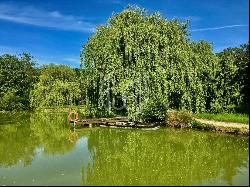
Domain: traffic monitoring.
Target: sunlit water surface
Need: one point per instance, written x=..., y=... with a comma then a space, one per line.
x=41, y=149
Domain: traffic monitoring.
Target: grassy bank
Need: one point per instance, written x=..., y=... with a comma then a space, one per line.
x=212, y=122
x=229, y=129
x=225, y=117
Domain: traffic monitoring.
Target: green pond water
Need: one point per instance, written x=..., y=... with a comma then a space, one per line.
x=41, y=149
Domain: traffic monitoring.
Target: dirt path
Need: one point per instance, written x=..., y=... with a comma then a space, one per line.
x=223, y=124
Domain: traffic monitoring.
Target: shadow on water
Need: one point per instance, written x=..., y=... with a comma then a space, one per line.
x=104, y=156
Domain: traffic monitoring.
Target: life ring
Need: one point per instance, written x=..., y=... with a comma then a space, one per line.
x=75, y=115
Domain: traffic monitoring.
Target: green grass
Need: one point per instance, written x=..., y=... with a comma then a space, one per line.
x=226, y=117
x=203, y=126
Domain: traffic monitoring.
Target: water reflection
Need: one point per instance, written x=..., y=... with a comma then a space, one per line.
x=41, y=149
x=53, y=132
x=165, y=157
x=17, y=140
x=22, y=134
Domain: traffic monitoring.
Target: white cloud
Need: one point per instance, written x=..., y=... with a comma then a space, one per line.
x=72, y=60
x=38, y=17
x=41, y=60
x=217, y=28
x=9, y=50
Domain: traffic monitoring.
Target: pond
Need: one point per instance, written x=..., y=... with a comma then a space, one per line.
x=41, y=149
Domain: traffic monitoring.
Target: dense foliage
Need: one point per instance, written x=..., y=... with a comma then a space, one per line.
x=233, y=82
x=138, y=58
x=17, y=74
x=57, y=86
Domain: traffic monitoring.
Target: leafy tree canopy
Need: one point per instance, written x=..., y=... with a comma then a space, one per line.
x=141, y=57
x=57, y=86
x=17, y=74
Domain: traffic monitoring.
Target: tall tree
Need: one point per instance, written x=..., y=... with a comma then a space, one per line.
x=17, y=75
x=145, y=58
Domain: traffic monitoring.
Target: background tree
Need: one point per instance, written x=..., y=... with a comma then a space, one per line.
x=58, y=85
x=233, y=78
x=17, y=75
x=243, y=75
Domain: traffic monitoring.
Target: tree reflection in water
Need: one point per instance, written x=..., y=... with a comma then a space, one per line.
x=164, y=157
x=20, y=135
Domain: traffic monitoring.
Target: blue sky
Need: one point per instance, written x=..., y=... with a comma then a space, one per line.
x=53, y=31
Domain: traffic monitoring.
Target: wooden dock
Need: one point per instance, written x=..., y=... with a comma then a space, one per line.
x=117, y=122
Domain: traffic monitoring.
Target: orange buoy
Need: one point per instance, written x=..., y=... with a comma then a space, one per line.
x=73, y=116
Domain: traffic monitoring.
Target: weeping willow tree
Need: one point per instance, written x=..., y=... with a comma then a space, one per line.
x=138, y=60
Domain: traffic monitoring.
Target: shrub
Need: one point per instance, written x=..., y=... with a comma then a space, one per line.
x=178, y=119
x=152, y=111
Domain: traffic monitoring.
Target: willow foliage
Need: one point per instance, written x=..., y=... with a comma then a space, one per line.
x=139, y=58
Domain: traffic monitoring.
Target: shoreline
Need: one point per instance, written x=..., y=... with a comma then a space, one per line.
x=219, y=126
x=198, y=123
